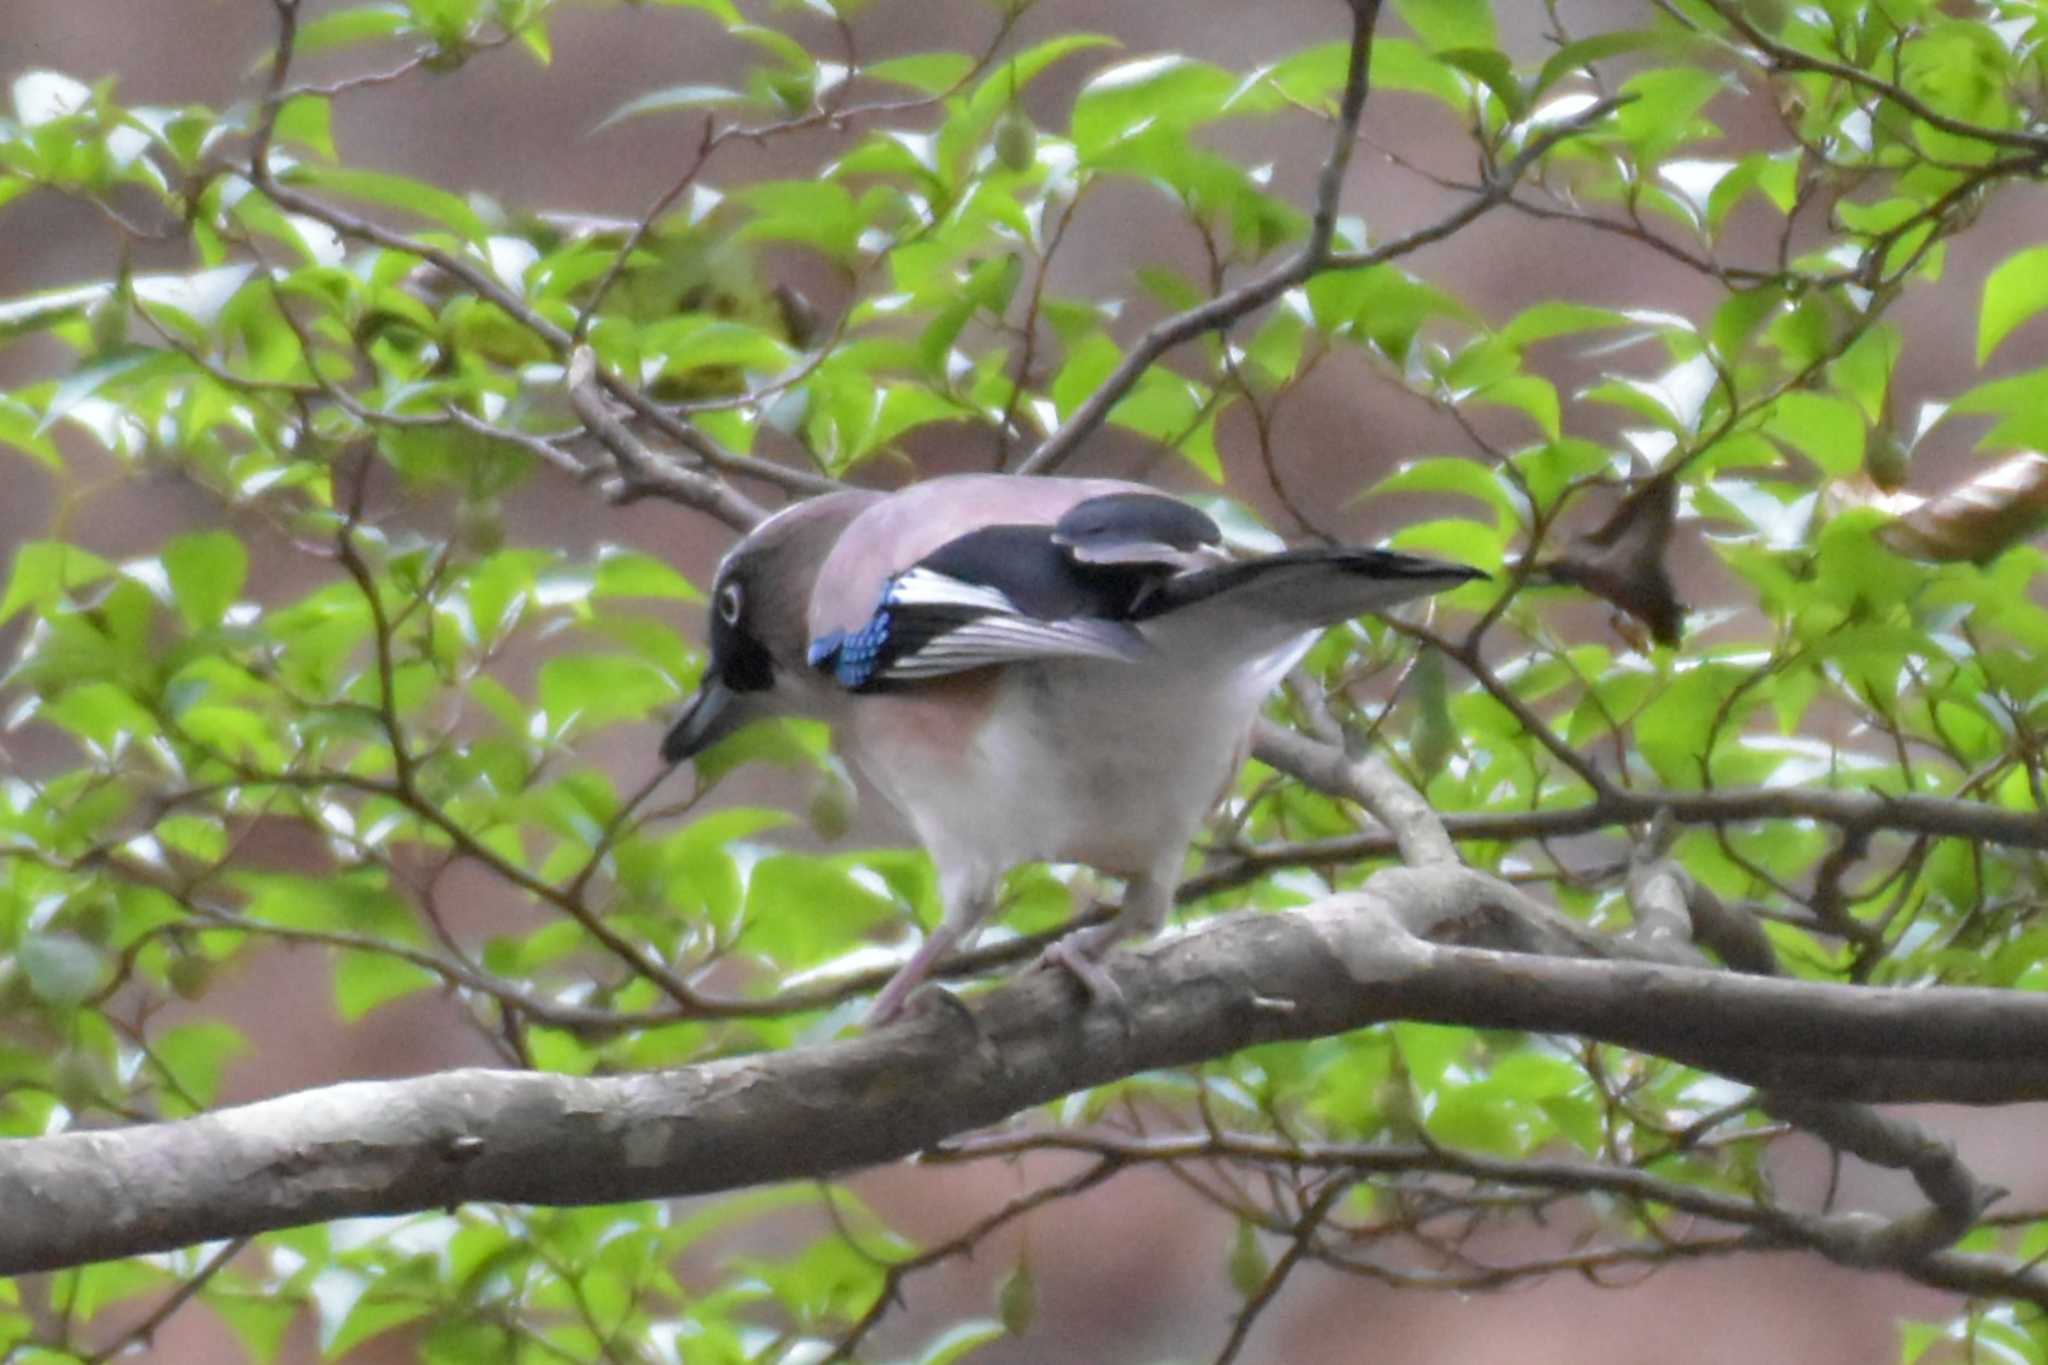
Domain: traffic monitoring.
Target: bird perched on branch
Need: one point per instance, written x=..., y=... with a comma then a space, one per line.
x=1028, y=669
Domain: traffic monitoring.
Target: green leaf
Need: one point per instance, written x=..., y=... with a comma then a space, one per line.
x=671, y=98
x=395, y=191
x=931, y=72
x=86, y=382
x=1549, y=469
x=370, y=1314
x=1316, y=75
x=1864, y=371
x=628, y=573
x=363, y=981
x=94, y=1288
x=207, y=570
x=1382, y=305
x=593, y=690
x=697, y=341
x=1166, y=93
x=724, y=10
x=1673, y=729
x=1531, y=395
x=1828, y=431
x=196, y=1055
x=1493, y=70
x=1774, y=175
x=18, y=429
x=961, y=1340
x=784, y=892
x=306, y=120
x=1446, y=474
x=1248, y=1265
x=35, y=312
x=259, y=1321
x=901, y=408
x=1663, y=115
x=1169, y=409
x=45, y=571
x=2013, y=292
x=364, y=24
x=1089, y=362
x=1556, y=318
x=1467, y=542
x=818, y=213
x=1002, y=85
x=1275, y=350
x=1450, y=23
x=102, y=713
x=62, y=969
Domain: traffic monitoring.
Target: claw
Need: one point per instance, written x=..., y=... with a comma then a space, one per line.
x=1076, y=955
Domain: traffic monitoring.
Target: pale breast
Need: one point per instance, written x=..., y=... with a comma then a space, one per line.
x=1095, y=762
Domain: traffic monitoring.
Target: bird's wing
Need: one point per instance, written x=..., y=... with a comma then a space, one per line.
x=930, y=624
x=1059, y=581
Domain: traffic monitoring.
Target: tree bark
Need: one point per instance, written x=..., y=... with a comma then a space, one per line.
x=1442, y=944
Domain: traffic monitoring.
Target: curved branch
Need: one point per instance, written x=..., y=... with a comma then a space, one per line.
x=485, y=285
x=1314, y=258
x=645, y=469
x=1402, y=949
x=1849, y=1238
x=1866, y=811
x=1786, y=58
x=1233, y=304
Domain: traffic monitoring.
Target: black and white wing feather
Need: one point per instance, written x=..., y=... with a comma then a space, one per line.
x=930, y=624
x=1120, y=576
x=1011, y=593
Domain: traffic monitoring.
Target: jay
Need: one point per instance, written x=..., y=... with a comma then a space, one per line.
x=1028, y=669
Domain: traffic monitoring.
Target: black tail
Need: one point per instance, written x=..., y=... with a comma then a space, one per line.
x=1317, y=586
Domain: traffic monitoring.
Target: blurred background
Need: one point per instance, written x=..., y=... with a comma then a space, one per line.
x=1134, y=1272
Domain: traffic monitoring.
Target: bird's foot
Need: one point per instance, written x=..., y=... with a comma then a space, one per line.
x=902, y=988
x=922, y=1000
x=891, y=1000
x=1078, y=954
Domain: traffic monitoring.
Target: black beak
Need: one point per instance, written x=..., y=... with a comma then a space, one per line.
x=715, y=712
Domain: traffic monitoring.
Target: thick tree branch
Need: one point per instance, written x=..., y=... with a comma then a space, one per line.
x=1399, y=949
x=1670, y=919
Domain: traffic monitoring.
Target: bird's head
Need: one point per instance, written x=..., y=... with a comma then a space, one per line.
x=759, y=631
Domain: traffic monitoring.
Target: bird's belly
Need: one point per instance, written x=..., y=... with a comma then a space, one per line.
x=1090, y=762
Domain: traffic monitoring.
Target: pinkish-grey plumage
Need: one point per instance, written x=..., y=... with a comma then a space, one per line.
x=1027, y=669
x=891, y=535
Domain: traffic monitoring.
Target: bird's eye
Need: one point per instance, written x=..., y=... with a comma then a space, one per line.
x=729, y=603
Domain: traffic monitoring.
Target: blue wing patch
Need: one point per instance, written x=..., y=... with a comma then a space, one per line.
x=854, y=657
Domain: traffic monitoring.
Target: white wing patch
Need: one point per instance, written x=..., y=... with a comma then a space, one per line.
x=921, y=587
x=1002, y=635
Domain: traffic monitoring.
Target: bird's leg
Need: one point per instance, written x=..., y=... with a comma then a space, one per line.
x=1146, y=902
x=967, y=900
